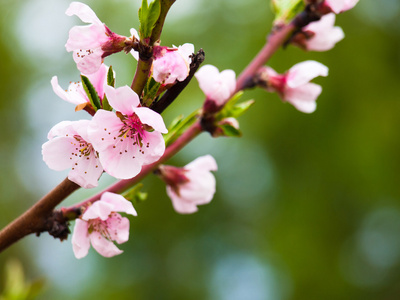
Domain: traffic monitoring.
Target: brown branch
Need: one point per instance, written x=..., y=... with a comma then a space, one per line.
x=39, y=217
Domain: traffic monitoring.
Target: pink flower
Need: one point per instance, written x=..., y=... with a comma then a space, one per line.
x=321, y=35
x=69, y=147
x=171, y=64
x=91, y=43
x=75, y=93
x=101, y=225
x=218, y=87
x=128, y=139
x=338, y=6
x=294, y=86
x=191, y=185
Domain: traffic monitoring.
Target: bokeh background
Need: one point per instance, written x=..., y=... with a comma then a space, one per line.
x=307, y=206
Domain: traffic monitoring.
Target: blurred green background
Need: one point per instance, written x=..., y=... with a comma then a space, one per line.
x=307, y=206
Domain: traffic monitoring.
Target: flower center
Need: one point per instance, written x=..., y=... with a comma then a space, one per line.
x=132, y=128
x=107, y=228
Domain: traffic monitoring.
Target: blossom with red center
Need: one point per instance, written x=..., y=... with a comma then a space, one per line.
x=75, y=93
x=320, y=35
x=217, y=86
x=294, y=86
x=171, y=64
x=128, y=139
x=191, y=185
x=101, y=225
x=69, y=147
x=90, y=44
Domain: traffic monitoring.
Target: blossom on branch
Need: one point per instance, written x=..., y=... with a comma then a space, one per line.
x=75, y=93
x=217, y=86
x=69, y=147
x=171, y=64
x=101, y=225
x=191, y=185
x=320, y=35
x=294, y=86
x=128, y=139
x=90, y=44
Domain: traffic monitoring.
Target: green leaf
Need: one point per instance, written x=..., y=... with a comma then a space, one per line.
x=106, y=104
x=91, y=93
x=150, y=91
x=229, y=130
x=134, y=194
x=148, y=16
x=110, y=77
x=285, y=10
x=241, y=108
x=231, y=109
x=179, y=125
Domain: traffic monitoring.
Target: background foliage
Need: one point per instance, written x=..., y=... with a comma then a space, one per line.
x=307, y=206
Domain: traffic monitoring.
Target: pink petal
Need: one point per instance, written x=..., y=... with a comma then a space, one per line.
x=303, y=72
x=57, y=153
x=119, y=203
x=204, y=163
x=186, y=50
x=83, y=12
x=98, y=209
x=151, y=118
x=156, y=147
x=86, y=37
x=88, y=63
x=99, y=79
x=304, y=97
x=206, y=76
x=80, y=239
x=122, y=99
x=61, y=129
x=74, y=95
x=200, y=189
x=104, y=127
x=180, y=206
x=86, y=172
x=118, y=228
x=103, y=246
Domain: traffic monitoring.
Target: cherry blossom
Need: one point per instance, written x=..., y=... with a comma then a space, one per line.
x=101, y=225
x=294, y=86
x=217, y=86
x=191, y=185
x=69, y=147
x=128, y=139
x=171, y=64
x=321, y=35
x=338, y=6
x=90, y=44
x=75, y=93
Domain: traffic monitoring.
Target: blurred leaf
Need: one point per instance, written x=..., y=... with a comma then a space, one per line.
x=134, y=194
x=285, y=10
x=179, y=125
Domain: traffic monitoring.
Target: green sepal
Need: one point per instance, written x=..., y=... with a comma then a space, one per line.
x=106, y=105
x=231, y=109
x=91, y=93
x=150, y=92
x=285, y=10
x=148, y=16
x=135, y=194
x=110, y=77
x=179, y=125
x=229, y=130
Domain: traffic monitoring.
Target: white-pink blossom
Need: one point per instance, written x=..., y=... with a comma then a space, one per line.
x=320, y=35
x=128, y=139
x=91, y=43
x=171, y=64
x=338, y=6
x=191, y=185
x=101, y=225
x=294, y=86
x=69, y=147
x=75, y=93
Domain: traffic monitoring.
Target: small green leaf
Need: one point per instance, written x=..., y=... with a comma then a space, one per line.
x=179, y=125
x=134, y=194
x=110, y=77
x=91, y=93
x=150, y=91
x=148, y=16
x=229, y=130
x=241, y=108
x=285, y=10
x=106, y=104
